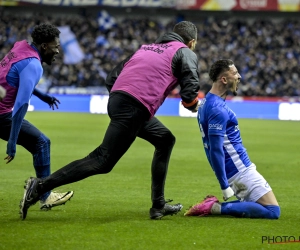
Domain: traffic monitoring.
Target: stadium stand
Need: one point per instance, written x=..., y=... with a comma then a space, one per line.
x=266, y=50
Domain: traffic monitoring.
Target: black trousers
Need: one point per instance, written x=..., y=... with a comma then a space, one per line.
x=28, y=135
x=129, y=119
x=34, y=141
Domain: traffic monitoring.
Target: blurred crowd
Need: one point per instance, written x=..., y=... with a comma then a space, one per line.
x=266, y=51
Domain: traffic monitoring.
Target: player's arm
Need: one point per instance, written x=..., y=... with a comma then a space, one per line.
x=185, y=69
x=28, y=78
x=217, y=128
x=217, y=159
x=51, y=100
x=113, y=75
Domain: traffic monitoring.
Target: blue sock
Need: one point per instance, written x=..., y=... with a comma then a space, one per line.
x=41, y=160
x=250, y=210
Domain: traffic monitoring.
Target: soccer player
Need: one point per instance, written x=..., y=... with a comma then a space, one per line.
x=222, y=142
x=21, y=70
x=138, y=86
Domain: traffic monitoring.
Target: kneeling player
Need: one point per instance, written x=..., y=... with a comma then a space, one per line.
x=227, y=156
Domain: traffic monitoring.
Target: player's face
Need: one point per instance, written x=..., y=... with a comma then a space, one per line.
x=233, y=78
x=50, y=51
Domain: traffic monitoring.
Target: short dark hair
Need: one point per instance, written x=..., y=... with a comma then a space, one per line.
x=219, y=67
x=44, y=33
x=187, y=30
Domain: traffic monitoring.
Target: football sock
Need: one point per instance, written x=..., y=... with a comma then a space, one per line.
x=216, y=208
x=250, y=210
x=41, y=160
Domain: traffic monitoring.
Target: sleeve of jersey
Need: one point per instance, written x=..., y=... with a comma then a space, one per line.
x=188, y=78
x=216, y=131
x=15, y=129
x=29, y=76
x=28, y=79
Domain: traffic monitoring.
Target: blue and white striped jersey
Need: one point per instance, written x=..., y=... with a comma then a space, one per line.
x=215, y=118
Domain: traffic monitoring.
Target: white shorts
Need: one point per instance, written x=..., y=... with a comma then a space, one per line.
x=249, y=185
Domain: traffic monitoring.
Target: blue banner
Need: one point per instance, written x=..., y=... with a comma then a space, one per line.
x=97, y=104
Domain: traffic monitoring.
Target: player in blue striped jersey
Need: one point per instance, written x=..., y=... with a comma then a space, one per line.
x=236, y=174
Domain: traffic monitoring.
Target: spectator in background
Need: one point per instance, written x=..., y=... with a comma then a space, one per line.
x=263, y=49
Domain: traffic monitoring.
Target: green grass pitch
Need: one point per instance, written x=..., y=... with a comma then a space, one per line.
x=112, y=211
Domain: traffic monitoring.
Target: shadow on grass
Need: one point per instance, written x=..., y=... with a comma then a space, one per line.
x=71, y=216
x=62, y=216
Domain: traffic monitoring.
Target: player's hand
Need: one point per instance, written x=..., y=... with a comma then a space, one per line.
x=53, y=102
x=10, y=151
x=227, y=193
x=8, y=159
x=195, y=110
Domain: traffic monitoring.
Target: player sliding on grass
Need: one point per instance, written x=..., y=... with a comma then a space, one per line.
x=138, y=86
x=228, y=158
x=20, y=71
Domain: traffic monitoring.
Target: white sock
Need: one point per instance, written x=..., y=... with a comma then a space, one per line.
x=216, y=208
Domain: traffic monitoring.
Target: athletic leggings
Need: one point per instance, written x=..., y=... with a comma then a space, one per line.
x=34, y=141
x=129, y=119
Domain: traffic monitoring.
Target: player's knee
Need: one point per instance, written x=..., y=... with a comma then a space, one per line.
x=45, y=140
x=274, y=212
x=105, y=170
x=102, y=164
x=173, y=139
x=43, y=143
x=169, y=139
